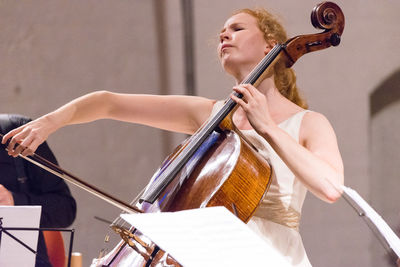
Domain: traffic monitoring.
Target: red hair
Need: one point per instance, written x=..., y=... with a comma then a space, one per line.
x=285, y=78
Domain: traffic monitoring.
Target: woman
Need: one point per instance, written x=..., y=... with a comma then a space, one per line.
x=300, y=145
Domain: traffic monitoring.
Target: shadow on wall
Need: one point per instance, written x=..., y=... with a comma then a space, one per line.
x=384, y=158
x=386, y=93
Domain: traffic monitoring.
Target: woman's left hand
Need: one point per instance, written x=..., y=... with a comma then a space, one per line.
x=255, y=105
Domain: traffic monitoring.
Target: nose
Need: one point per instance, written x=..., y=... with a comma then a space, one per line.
x=224, y=36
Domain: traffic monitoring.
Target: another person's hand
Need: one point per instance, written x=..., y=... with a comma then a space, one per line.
x=6, y=197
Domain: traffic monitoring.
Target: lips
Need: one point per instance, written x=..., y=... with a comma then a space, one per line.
x=225, y=46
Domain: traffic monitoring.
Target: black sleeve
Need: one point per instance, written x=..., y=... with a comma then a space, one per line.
x=44, y=188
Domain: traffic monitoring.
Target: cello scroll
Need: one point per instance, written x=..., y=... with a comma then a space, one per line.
x=327, y=16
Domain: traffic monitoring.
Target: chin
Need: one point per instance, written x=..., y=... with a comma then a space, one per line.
x=228, y=64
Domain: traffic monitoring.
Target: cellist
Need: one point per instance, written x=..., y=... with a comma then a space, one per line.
x=300, y=144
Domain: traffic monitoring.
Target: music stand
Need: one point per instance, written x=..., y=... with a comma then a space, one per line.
x=26, y=237
x=389, y=240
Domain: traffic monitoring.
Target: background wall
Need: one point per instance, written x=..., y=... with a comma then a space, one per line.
x=54, y=51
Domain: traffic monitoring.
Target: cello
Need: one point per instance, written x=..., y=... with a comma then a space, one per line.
x=176, y=186
x=190, y=177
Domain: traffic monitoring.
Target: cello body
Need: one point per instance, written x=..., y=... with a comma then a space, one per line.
x=226, y=171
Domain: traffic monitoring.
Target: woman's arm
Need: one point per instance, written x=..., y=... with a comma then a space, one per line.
x=315, y=161
x=175, y=113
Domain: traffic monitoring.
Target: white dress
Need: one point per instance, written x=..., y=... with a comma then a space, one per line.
x=277, y=218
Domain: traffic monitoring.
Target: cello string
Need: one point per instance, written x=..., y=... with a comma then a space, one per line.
x=187, y=152
x=212, y=123
x=118, y=219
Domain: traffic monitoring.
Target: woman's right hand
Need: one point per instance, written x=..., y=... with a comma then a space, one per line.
x=26, y=138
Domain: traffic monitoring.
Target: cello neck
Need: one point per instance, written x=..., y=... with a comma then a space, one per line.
x=171, y=170
x=253, y=78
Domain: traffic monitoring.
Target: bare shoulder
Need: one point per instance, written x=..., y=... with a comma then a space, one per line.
x=315, y=127
x=318, y=136
x=201, y=108
x=313, y=118
x=202, y=101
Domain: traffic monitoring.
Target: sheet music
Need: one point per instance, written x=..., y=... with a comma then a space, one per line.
x=381, y=226
x=12, y=253
x=206, y=237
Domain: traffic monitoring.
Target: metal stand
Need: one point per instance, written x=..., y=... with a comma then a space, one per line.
x=385, y=235
x=6, y=230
